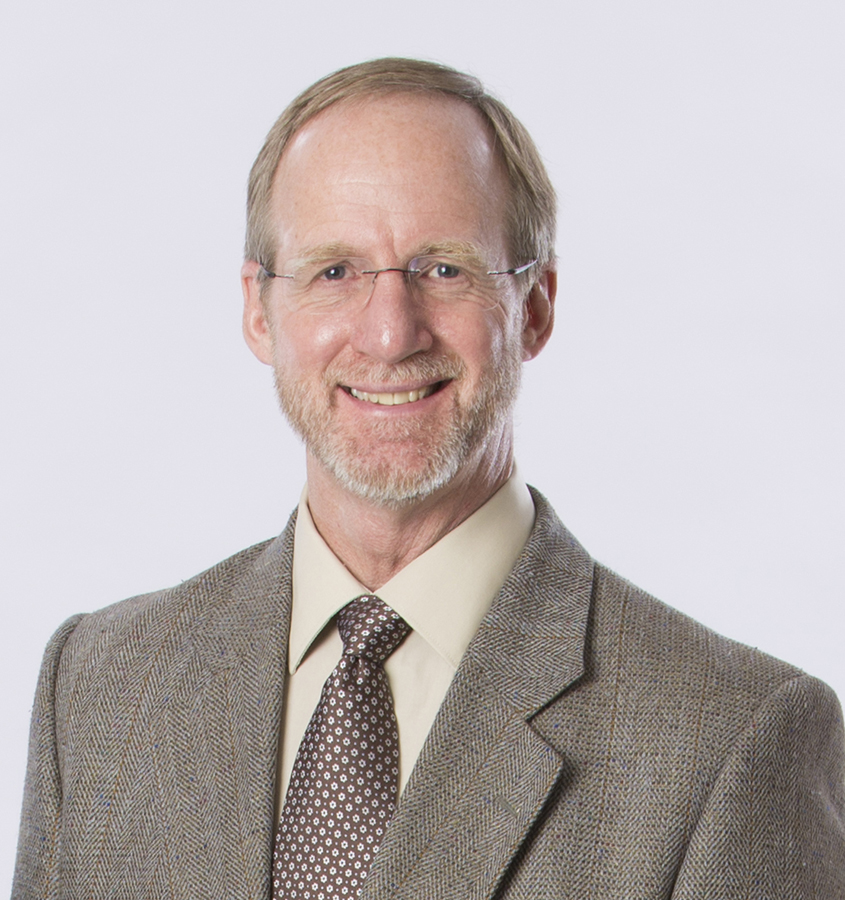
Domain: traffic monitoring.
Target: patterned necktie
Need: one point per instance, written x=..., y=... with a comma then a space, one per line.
x=345, y=778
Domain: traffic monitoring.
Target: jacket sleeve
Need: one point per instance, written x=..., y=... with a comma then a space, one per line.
x=773, y=827
x=37, y=866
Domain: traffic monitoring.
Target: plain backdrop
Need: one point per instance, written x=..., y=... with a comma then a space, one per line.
x=685, y=420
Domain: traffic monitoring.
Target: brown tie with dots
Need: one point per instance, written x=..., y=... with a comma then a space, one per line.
x=345, y=778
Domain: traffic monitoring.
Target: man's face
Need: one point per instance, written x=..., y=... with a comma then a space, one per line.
x=389, y=179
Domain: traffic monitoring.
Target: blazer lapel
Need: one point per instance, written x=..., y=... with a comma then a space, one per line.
x=217, y=752
x=484, y=773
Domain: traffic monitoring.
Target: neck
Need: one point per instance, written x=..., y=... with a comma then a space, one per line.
x=375, y=541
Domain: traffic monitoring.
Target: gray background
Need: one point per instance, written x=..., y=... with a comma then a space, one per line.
x=686, y=419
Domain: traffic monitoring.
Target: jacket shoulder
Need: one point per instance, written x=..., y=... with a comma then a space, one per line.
x=206, y=584
x=631, y=637
x=637, y=633
x=118, y=637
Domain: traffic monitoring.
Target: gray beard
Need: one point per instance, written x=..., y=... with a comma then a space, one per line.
x=469, y=430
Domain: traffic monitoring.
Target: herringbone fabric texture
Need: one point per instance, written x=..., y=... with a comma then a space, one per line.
x=595, y=743
x=345, y=778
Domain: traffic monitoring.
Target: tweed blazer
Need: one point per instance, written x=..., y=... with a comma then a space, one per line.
x=593, y=744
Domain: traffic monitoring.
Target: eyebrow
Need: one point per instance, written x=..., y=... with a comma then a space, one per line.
x=464, y=251
x=320, y=252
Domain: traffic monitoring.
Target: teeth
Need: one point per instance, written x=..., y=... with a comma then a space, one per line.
x=396, y=399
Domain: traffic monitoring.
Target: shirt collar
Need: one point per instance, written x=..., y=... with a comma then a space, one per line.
x=443, y=594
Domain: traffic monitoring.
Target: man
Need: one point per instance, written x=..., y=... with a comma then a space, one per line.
x=550, y=730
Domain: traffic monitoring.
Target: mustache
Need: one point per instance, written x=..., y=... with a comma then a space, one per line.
x=442, y=367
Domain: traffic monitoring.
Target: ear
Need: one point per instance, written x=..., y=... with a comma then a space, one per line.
x=539, y=314
x=255, y=323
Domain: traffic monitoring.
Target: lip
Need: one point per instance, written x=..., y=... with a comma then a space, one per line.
x=394, y=387
x=393, y=396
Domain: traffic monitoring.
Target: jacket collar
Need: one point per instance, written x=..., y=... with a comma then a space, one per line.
x=531, y=644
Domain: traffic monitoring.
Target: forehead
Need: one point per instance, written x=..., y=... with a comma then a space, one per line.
x=398, y=161
x=421, y=129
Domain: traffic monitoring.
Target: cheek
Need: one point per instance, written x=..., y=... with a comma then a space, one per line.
x=479, y=337
x=306, y=344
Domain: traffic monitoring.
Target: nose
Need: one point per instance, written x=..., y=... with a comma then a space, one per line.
x=392, y=326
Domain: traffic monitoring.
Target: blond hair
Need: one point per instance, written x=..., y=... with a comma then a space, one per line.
x=531, y=207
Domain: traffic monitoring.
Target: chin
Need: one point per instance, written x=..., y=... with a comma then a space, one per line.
x=390, y=485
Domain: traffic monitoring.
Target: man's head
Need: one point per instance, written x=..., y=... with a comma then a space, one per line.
x=402, y=381
x=531, y=205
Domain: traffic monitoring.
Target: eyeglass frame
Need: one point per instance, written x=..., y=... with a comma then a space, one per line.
x=516, y=270
x=407, y=272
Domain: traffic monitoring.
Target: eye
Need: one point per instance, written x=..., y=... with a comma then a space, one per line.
x=334, y=273
x=444, y=270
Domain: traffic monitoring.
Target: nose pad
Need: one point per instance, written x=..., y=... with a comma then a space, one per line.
x=406, y=275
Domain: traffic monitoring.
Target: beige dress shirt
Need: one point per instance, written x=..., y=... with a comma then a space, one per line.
x=443, y=595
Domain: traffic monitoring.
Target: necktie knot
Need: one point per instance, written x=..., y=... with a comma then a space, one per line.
x=369, y=628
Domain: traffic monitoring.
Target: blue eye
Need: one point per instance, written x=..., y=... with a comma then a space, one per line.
x=446, y=270
x=335, y=273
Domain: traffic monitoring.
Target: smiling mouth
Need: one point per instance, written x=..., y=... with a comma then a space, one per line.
x=396, y=398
